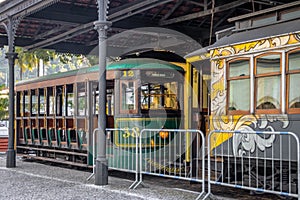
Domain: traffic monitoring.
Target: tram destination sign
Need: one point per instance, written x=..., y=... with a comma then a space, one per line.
x=159, y=74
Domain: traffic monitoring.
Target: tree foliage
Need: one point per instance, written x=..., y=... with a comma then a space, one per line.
x=3, y=104
x=38, y=62
x=4, y=108
x=3, y=66
x=30, y=61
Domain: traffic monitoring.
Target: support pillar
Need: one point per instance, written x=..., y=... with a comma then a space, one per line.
x=101, y=175
x=11, y=152
x=11, y=27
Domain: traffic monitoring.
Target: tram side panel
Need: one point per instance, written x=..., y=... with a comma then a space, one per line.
x=52, y=121
x=236, y=96
x=254, y=88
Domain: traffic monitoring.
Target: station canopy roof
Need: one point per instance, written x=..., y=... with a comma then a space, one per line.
x=179, y=25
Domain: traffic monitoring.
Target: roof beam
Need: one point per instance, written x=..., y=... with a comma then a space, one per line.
x=157, y=13
x=265, y=11
x=130, y=8
x=135, y=9
x=268, y=2
x=119, y=15
x=205, y=4
x=178, y=3
x=263, y=2
x=204, y=13
x=223, y=18
x=50, y=32
x=51, y=21
x=18, y=8
x=25, y=28
x=139, y=11
x=64, y=36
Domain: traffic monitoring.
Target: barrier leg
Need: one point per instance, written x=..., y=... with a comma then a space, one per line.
x=94, y=151
x=90, y=176
x=138, y=174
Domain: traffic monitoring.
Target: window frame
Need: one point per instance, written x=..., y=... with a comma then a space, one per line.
x=288, y=73
x=135, y=91
x=266, y=75
x=42, y=104
x=81, y=108
x=234, y=112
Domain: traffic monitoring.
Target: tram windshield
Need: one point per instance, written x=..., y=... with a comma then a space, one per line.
x=159, y=96
x=160, y=89
x=155, y=90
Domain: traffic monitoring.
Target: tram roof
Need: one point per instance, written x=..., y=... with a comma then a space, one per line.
x=259, y=33
x=288, y=22
x=143, y=63
x=58, y=75
x=130, y=63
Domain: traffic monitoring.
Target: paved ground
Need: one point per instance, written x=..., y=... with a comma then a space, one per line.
x=30, y=180
x=35, y=181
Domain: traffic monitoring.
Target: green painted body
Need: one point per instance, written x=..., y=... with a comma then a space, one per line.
x=121, y=152
x=135, y=125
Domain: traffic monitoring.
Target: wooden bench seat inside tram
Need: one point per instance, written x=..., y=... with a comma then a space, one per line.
x=52, y=137
x=72, y=138
x=82, y=139
x=35, y=136
x=43, y=136
x=62, y=138
x=27, y=133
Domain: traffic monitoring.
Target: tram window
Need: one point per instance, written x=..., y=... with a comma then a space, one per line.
x=128, y=96
x=42, y=102
x=293, y=80
x=95, y=98
x=110, y=102
x=268, y=83
x=145, y=100
x=239, y=86
x=27, y=104
x=21, y=101
x=81, y=99
x=70, y=100
x=51, y=100
x=60, y=101
x=34, y=102
x=158, y=96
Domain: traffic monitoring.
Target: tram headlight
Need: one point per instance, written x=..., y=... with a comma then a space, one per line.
x=164, y=134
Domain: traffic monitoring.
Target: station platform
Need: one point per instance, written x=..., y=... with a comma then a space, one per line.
x=32, y=180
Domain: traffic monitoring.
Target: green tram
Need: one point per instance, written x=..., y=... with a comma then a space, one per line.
x=57, y=114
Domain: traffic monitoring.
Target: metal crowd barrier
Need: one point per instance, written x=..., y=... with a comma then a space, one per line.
x=253, y=160
x=172, y=153
x=94, y=153
x=121, y=153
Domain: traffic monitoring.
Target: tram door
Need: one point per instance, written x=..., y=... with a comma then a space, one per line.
x=201, y=87
x=95, y=104
x=110, y=104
